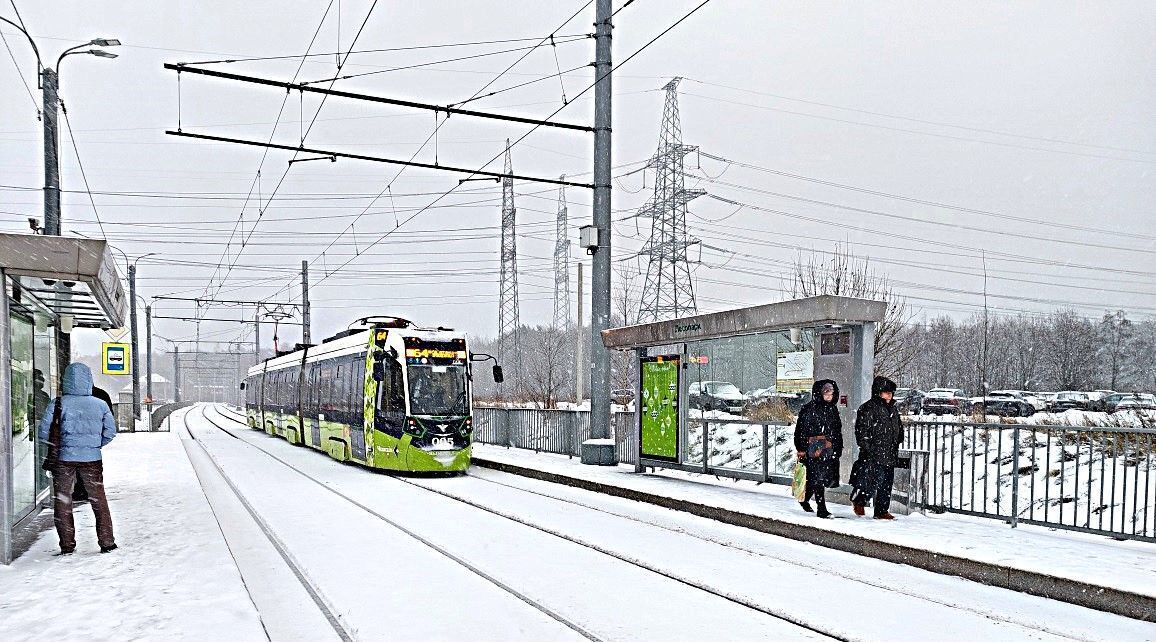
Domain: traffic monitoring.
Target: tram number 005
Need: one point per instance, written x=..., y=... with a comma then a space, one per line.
x=442, y=443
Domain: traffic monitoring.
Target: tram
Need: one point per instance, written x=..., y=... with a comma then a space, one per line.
x=383, y=393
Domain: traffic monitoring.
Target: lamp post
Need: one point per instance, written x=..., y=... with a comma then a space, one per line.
x=50, y=86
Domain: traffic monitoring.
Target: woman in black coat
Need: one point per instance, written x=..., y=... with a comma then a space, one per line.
x=819, y=443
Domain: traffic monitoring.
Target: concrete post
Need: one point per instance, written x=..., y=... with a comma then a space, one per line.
x=134, y=351
x=582, y=365
x=51, y=127
x=149, y=355
x=176, y=373
x=305, y=318
x=600, y=452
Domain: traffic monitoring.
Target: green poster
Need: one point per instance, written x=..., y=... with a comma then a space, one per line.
x=659, y=407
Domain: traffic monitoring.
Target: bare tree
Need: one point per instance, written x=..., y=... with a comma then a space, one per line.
x=1116, y=333
x=844, y=274
x=549, y=365
x=1071, y=350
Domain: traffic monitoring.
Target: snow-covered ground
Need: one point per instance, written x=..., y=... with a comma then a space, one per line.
x=488, y=556
x=171, y=579
x=1127, y=565
x=620, y=570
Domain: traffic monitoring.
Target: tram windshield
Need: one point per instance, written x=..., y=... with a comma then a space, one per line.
x=438, y=390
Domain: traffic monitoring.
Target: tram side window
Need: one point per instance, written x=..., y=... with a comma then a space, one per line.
x=391, y=390
x=357, y=388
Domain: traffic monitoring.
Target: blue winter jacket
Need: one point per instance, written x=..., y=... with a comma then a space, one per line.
x=86, y=423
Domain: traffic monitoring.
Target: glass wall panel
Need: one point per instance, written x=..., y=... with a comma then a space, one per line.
x=23, y=431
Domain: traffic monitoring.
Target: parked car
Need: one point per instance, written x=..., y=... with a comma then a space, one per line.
x=945, y=401
x=622, y=396
x=1035, y=402
x=909, y=400
x=1003, y=404
x=717, y=395
x=1071, y=400
x=1131, y=401
x=1097, y=399
x=1049, y=399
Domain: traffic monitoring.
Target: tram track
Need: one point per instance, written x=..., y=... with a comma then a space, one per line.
x=794, y=561
x=735, y=599
x=228, y=413
x=574, y=626
x=311, y=587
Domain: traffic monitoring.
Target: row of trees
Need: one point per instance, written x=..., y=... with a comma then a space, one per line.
x=1059, y=351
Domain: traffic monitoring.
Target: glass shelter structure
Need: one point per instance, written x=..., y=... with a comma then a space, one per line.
x=52, y=284
x=717, y=393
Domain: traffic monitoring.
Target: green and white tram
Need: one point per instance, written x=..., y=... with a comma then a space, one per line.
x=383, y=393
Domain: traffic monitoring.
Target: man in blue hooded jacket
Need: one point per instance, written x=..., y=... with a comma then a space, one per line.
x=86, y=426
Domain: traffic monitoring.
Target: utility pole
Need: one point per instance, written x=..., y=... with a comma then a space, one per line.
x=601, y=453
x=305, y=334
x=149, y=355
x=134, y=351
x=257, y=335
x=581, y=365
x=176, y=373
x=51, y=100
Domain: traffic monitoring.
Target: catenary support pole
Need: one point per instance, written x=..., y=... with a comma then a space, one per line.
x=305, y=333
x=599, y=452
x=149, y=354
x=134, y=351
x=257, y=335
x=176, y=373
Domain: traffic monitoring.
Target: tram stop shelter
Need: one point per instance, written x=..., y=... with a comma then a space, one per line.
x=52, y=284
x=717, y=393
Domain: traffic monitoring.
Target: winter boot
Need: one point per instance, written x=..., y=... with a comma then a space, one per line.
x=108, y=549
x=859, y=510
x=823, y=512
x=884, y=515
x=807, y=506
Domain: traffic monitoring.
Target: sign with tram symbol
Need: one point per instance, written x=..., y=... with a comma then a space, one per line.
x=117, y=359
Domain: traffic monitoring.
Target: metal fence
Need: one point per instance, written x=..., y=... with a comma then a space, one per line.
x=1097, y=480
x=551, y=431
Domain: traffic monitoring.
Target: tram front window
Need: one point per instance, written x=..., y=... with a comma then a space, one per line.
x=438, y=391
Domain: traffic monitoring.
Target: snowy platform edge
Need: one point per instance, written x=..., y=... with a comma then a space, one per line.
x=1101, y=598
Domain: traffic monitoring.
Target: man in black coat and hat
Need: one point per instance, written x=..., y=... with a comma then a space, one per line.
x=878, y=431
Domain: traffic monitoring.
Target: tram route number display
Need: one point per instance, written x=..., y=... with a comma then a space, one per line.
x=659, y=407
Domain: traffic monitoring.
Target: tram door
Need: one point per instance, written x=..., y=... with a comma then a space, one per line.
x=356, y=405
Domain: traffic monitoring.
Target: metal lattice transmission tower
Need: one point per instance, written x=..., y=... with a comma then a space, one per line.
x=509, y=316
x=668, y=291
x=562, y=265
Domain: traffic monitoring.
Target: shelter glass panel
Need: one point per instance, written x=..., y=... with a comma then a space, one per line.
x=738, y=385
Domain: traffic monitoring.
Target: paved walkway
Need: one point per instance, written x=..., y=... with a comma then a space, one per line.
x=173, y=577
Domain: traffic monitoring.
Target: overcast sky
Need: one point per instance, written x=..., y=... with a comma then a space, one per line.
x=1035, y=118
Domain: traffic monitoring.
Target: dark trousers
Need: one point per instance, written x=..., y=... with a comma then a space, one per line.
x=818, y=491
x=874, y=485
x=64, y=477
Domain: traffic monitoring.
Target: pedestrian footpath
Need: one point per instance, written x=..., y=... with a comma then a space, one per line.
x=1088, y=570
x=172, y=577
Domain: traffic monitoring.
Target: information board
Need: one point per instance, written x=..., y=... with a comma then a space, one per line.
x=659, y=407
x=117, y=359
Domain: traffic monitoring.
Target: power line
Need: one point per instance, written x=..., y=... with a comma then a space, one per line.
x=80, y=164
x=920, y=201
x=19, y=73
x=914, y=219
x=922, y=133
x=922, y=121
